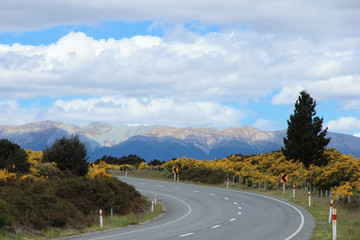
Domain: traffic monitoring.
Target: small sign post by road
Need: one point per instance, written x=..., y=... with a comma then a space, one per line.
x=284, y=178
x=175, y=171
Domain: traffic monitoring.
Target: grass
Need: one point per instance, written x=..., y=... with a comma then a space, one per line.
x=348, y=215
x=108, y=223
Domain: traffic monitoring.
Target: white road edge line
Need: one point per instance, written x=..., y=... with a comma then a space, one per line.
x=233, y=219
x=143, y=229
x=186, y=234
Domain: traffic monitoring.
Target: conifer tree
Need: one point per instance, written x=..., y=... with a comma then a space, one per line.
x=305, y=140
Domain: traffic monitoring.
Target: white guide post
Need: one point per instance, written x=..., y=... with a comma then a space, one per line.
x=227, y=183
x=101, y=219
x=334, y=225
x=331, y=209
x=152, y=206
x=293, y=191
x=309, y=199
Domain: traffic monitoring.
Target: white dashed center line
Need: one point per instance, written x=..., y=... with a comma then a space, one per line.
x=216, y=226
x=186, y=234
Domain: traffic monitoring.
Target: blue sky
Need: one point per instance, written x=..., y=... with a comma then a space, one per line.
x=179, y=63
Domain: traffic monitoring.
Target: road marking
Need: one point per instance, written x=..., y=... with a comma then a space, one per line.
x=235, y=203
x=239, y=207
x=186, y=234
x=211, y=194
x=226, y=198
x=216, y=226
x=233, y=219
x=239, y=213
x=196, y=191
x=161, y=225
x=141, y=183
x=177, y=188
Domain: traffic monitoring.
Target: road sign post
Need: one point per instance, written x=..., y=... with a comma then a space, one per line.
x=284, y=178
x=175, y=171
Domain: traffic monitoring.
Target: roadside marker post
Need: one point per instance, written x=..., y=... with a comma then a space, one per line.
x=227, y=183
x=152, y=206
x=331, y=209
x=101, y=219
x=309, y=199
x=293, y=191
x=126, y=173
x=334, y=225
x=155, y=200
x=178, y=178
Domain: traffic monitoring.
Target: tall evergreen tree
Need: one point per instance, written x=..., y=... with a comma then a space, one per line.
x=305, y=140
x=69, y=154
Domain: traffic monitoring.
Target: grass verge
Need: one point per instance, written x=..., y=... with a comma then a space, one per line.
x=348, y=215
x=108, y=223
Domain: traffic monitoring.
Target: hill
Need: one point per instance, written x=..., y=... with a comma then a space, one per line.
x=162, y=142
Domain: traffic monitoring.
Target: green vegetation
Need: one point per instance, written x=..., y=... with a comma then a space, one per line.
x=12, y=157
x=305, y=140
x=69, y=154
x=129, y=160
x=59, y=195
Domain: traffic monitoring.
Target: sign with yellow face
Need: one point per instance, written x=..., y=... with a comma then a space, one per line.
x=284, y=178
x=175, y=169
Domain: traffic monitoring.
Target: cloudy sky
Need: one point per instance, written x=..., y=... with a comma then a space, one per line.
x=180, y=63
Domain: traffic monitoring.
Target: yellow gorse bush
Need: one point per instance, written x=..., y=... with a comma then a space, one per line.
x=341, y=174
x=100, y=173
x=6, y=176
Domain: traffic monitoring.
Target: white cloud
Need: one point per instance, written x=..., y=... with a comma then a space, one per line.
x=235, y=66
x=344, y=124
x=320, y=18
x=126, y=111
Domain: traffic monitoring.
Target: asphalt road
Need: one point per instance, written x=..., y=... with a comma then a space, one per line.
x=204, y=213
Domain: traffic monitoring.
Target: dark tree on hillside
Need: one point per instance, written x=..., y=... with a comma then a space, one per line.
x=12, y=155
x=69, y=154
x=305, y=140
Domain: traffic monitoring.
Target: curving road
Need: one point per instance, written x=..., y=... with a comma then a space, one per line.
x=203, y=213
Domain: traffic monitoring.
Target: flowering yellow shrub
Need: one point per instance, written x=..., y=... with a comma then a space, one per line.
x=100, y=173
x=34, y=157
x=6, y=176
x=143, y=166
x=341, y=174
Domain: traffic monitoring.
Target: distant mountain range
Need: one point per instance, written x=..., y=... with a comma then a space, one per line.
x=162, y=142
